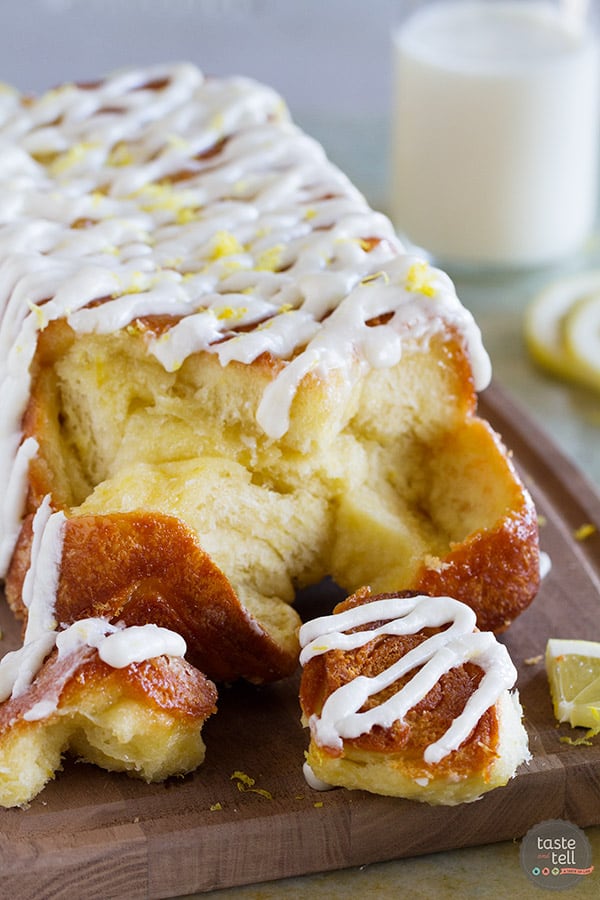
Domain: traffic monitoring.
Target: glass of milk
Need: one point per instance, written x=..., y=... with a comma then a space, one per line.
x=495, y=132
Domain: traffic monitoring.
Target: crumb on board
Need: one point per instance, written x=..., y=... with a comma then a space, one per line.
x=533, y=660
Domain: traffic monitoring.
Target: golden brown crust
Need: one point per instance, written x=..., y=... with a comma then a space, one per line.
x=511, y=551
x=170, y=685
x=164, y=684
x=145, y=567
x=494, y=570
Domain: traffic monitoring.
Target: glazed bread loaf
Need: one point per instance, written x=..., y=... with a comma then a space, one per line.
x=221, y=368
x=405, y=697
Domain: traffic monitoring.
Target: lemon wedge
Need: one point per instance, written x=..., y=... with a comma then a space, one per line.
x=573, y=669
x=562, y=328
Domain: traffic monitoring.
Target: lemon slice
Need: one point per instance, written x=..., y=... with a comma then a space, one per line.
x=582, y=338
x=562, y=331
x=573, y=669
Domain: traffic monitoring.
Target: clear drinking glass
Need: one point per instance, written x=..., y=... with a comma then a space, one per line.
x=496, y=107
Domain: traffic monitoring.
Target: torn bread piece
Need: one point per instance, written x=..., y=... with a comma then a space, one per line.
x=405, y=697
x=144, y=719
x=121, y=696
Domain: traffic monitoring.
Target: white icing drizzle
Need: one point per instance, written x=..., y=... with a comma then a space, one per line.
x=117, y=645
x=459, y=643
x=18, y=668
x=11, y=510
x=120, y=646
x=261, y=230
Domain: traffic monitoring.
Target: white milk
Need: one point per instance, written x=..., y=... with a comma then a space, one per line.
x=495, y=143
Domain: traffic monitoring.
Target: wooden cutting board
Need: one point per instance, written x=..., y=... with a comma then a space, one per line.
x=94, y=834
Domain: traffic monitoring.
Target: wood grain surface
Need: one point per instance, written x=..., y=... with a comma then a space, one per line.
x=92, y=834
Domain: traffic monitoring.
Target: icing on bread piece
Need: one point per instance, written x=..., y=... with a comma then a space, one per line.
x=404, y=696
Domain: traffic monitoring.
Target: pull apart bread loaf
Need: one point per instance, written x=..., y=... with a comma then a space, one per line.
x=222, y=380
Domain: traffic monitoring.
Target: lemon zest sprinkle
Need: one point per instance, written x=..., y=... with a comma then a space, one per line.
x=224, y=243
x=228, y=266
x=246, y=784
x=67, y=160
x=230, y=312
x=173, y=263
x=584, y=531
x=418, y=280
x=136, y=285
x=185, y=215
x=269, y=259
x=281, y=109
x=157, y=197
x=120, y=155
x=376, y=276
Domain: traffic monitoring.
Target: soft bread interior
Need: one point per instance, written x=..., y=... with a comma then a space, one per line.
x=374, y=476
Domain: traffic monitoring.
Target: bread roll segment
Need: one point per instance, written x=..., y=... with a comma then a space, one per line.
x=220, y=365
x=145, y=720
x=405, y=697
